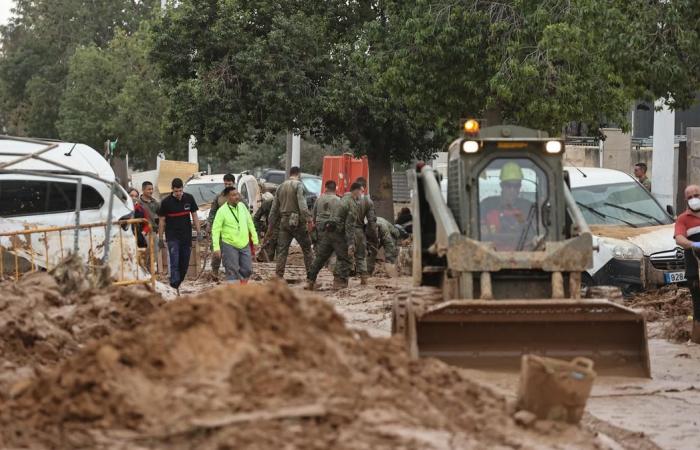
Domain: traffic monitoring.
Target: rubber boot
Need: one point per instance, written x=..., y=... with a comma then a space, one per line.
x=695, y=333
x=339, y=283
x=363, y=280
x=310, y=285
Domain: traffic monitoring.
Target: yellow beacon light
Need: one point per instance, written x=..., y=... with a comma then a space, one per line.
x=471, y=126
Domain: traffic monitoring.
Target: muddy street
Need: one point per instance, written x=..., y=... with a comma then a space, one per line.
x=626, y=409
x=271, y=364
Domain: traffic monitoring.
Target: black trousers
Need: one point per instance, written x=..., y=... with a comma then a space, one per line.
x=694, y=286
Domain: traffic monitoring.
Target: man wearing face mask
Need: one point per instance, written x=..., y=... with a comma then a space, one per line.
x=687, y=235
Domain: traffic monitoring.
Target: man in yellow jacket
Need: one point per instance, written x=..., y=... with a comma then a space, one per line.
x=232, y=233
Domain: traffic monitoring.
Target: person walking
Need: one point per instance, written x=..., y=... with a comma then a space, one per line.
x=365, y=229
x=151, y=207
x=687, y=234
x=221, y=199
x=149, y=203
x=291, y=214
x=177, y=213
x=232, y=232
x=389, y=237
x=140, y=230
x=261, y=221
x=334, y=223
x=640, y=172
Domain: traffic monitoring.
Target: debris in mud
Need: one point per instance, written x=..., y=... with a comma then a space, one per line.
x=664, y=303
x=671, y=305
x=258, y=366
x=42, y=322
x=677, y=329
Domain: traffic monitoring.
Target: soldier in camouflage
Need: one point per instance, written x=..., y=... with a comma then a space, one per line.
x=262, y=222
x=389, y=237
x=291, y=214
x=334, y=221
x=221, y=199
x=365, y=230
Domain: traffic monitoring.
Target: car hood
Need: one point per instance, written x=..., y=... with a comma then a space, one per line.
x=650, y=239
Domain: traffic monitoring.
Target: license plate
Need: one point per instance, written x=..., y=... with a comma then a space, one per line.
x=674, y=277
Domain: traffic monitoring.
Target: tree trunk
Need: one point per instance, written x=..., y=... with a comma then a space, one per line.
x=380, y=186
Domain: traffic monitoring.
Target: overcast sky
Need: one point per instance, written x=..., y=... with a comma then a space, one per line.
x=5, y=7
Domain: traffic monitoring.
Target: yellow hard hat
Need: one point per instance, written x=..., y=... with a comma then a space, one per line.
x=511, y=172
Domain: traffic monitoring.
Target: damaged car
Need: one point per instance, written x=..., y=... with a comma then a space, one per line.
x=633, y=233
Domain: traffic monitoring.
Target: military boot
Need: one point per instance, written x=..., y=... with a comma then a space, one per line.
x=363, y=279
x=339, y=283
x=310, y=285
x=695, y=333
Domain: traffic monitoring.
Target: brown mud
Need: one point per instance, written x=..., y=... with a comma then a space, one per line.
x=42, y=322
x=260, y=366
x=668, y=311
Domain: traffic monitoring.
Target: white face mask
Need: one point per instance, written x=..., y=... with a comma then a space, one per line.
x=694, y=204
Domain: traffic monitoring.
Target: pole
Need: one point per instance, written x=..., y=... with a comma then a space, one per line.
x=296, y=150
x=288, y=161
x=78, y=205
x=108, y=225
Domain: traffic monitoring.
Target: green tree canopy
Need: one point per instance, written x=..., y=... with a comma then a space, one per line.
x=37, y=46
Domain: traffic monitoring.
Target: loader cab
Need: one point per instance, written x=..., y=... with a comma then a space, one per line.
x=505, y=188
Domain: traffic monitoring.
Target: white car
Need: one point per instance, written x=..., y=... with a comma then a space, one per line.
x=47, y=196
x=205, y=188
x=633, y=233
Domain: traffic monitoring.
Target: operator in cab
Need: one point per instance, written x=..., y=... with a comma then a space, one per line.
x=505, y=217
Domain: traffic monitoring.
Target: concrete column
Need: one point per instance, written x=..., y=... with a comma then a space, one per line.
x=617, y=150
x=296, y=150
x=192, y=154
x=664, y=158
x=693, y=146
x=288, y=156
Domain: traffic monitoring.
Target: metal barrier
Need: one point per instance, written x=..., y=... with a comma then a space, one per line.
x=33, y=249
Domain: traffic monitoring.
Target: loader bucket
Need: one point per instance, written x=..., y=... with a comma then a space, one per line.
x=494, y=334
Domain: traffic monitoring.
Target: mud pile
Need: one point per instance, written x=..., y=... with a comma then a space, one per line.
x=671, y=305
x=259, y=367
x=43, y=321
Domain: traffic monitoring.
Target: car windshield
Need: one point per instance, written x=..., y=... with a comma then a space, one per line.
x=312, y=184
x=205, y=192
x=619, y=204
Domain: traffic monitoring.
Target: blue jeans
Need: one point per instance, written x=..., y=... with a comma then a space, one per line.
x=238, y=262
x=179, y=260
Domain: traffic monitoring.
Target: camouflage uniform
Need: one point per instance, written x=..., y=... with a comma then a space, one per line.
x=364, y=210
x=334, y=222
x=215, y=260
x=290, y=206
x=388, y=237
x=262, y=222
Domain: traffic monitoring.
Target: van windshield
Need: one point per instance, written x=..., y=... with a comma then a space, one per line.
x=625, y=204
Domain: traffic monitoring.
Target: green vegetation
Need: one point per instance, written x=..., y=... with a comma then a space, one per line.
x=391, y=79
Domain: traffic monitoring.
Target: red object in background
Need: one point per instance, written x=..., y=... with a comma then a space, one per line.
x=344, y=170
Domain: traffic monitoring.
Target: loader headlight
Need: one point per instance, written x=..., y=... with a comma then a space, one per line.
x=470, y=146
x=627, y=252
x=553, y=147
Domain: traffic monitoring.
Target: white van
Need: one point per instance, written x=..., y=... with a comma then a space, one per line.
x=47, y=197
x=634, y=234
x=38, y=194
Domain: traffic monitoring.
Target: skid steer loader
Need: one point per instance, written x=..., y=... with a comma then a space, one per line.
x=507, y=249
